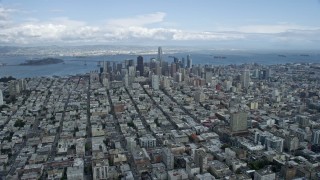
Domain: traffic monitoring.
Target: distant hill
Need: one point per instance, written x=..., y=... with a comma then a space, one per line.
x=7, y=79
x=44, y=61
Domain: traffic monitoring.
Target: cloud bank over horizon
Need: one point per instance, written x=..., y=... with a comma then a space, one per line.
x=145, y=28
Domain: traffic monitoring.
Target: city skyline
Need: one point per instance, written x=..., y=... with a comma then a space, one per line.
x=231, y=24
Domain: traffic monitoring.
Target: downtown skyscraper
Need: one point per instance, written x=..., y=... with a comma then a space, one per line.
x=245, y=78
x=160, y=55
x=140, y=66
x=189, y=61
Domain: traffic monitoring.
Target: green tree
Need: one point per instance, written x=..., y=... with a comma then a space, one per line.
x=130, y=124
x=19, y=123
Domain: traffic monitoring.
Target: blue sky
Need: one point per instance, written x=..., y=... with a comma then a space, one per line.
x=260, y=24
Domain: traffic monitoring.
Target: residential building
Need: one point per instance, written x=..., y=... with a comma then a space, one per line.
x=264, y=174
x=239, y=122
x=1, y=98
x=168, y=158
x=155, y=82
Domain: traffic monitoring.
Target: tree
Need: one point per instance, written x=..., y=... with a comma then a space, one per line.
x=130, y=124
x=19, y=123
x=224, y=146
x=86, y=147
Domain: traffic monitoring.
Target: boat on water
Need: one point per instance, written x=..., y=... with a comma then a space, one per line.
x=305, y=55
x=281, y=55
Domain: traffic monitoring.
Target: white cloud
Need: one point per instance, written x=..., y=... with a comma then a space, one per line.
x=213, y=36
x=65, y=30
x=270, y=28
x=139, y=20
x=5, y=12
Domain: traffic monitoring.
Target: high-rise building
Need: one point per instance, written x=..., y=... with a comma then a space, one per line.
x=155, y=82
x=200, y=159
x=1, y=98
x=157, y=69
x=208, y=76
x=165, y=68
x=131, y=62
x=14, y=88
x=178, y=77
x=165, y=82
x=291, y=143
x=268, y=73
x=160, y=54
x=316, y=137
x=168, y=158
x=140, y=66
x=131, y=71
x=245, y=78
x=183, y=73
x=239, y=122
x=173, y=69
x=183, y=63
x=275, y=143
x=189, y=61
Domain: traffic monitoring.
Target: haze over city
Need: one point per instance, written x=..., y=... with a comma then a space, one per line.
x=231, y=24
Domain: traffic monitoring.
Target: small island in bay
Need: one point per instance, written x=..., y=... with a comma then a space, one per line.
x=45, y=61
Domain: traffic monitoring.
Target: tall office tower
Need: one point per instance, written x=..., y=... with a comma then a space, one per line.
x=132, y=71
x=160, y=55
x=189, y=61
x=183, y=64
x=22, y=84
x=268, y=73
x=1, y=98
x=239, y=122
x=104, y=66
x=245, y=78
x=126, y=80
x=176, y=60
x=114, y=67
x=256, y=73
x=165, y=68
x=140, y=66
x=183, y=73
x=173, y=69
x=168, y=158
x=131, y=62
x=155, y=82
x=158, y=69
